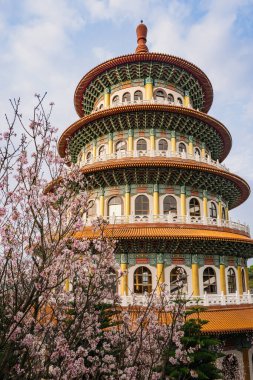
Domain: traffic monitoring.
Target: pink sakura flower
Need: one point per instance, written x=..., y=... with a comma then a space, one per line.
x=6, y=135
x=2, y=211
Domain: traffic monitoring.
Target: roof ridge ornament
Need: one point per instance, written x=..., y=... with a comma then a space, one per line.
x=141, y=32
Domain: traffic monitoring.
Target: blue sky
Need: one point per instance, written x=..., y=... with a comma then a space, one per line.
x=49, y=45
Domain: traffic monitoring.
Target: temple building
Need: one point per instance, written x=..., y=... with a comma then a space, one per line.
x=154, y=159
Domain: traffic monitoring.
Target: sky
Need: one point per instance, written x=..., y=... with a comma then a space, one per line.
x=49, y=45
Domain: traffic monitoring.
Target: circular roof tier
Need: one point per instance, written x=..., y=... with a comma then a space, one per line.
x=162, y=239
x=119, y=172
x=145, y=116
x=160, y=67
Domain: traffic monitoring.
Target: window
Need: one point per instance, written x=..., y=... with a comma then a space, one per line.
x=159, y=95
x=126, y=97
x=213, y=210
x=171, y=98
x=101, y=106
x=230, y=367
x=138, y=95
x=209, y=281
x=142, y=280
x=115, y=206
x=197, y=151
x=243, y=281
x=89, y=157
x=182, y=148
x=163, y=144
x=231, y=281
x=223, y=213
x=91, y=211
x=178, y=281
x=101, y=151
x=179, y=101
x=141, y=144
x=169, y=205
x=115, y=99
x=112, y=280
x=141, y=205
x=120, y=145
x=194, y=207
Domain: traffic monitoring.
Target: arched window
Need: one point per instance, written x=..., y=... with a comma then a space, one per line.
x=115, y=99
x=179, y=101
x=101, y=106
x=197, y=151
x=163, y=144
x=231, y=281
x=101, y=151
x=142, y=280
x=112, y=280
x=171, y=98
x=223, y=213
x=141, y=205
x=159, y=95
x=194, y=207
x=115, y=206
x=120, y=146
x=91, y=211
x=89, y=157
x=178, y=281
x=213, y=210
x=243, y=281
x=141, y=144
x=126, y=97
x=138, y=95
x=230, y=367
x=182, y=148
x=209, y=281
x=169, y=205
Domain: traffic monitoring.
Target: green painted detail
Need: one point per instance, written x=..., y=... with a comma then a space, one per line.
x=102, y=191
x=148, y=80
x=216, y=260
x=127, y=188
x=152, y=132
x=117, y=258
x=182, y=190
x=131, y=259
x=186, y=93
x=205, y=194
x=188, y=260
x=156, y=187
x=222, y=260
x=160, y=258
x=203, y=145
x=107, y=91
x=123, y=258
x=173, y=133
x=167, y=260
x=110, y=136
x=191, y=139
x=131, y=132
x=152, y=260
x=180, y=78
x=195, y=259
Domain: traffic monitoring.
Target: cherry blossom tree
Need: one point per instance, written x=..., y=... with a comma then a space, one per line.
x=60, y=317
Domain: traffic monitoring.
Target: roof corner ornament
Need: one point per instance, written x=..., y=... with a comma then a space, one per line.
x=141, y=32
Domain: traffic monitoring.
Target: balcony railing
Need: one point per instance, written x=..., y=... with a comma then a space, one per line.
x=153, y=153
x=137, y=102
x=175, y=219
x=204, y=300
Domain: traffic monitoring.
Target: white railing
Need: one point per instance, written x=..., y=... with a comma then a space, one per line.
x=176, y=219
x=204, y=300
x=153, y=153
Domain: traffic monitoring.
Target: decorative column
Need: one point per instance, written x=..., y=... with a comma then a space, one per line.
x=219, y=208
x=223, y=287
x=127, y=201
x=247, y=278
x=246, y=364
x=67, y=285
x=156, y=199
x=102, y=203
x=159, y=272
x=186, y=99
x=190, y=147
x=205, y=208
x=107, y=96
x=148, y=88
x=110, y=143
x=195, y=276
x=226, y=212
x=183, y=201
x=203, y=150
x=239, y=277
x=152, y=139
x=173, y=142
x=94, y=149
x=130, y=142
x=124, y=277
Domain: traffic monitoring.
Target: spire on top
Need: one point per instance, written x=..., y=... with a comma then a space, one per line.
x=141, y=32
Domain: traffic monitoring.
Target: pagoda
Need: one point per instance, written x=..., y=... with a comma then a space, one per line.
x=153, y=158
